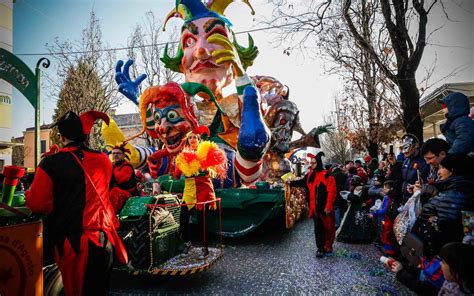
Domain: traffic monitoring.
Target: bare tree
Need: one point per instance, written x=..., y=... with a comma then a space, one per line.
x=393, y=16
x=81, y=91
x=84, y=77
x=336, y=144
x=18, y=153
x=145, y=49
x=146, y=46
x=369, y=100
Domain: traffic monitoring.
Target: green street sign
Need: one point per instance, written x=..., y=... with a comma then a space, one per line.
x=16, y=72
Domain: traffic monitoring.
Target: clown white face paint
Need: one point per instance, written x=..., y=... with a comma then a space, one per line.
x=197, y=64
x=171, y=126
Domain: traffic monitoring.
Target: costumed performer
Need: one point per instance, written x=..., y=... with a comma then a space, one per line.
x=322, y=194
x=71, y=187
x=356, y=226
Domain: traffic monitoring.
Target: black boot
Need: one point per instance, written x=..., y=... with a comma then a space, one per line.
x=319, y=254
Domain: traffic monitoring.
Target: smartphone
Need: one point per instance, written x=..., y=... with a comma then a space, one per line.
x=390, y=152
x=420, y=180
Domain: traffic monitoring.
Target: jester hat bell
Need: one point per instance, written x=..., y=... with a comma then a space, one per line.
x=190, y=10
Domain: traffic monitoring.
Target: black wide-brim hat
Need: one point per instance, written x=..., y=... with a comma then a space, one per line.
x=70, y=126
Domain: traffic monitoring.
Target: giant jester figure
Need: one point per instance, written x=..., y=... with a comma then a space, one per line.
x=209, y=54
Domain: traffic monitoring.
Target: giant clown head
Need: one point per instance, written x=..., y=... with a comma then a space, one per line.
x=169, y=113
x=195, y=53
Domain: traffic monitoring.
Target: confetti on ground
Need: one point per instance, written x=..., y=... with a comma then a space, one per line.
x=277, y=262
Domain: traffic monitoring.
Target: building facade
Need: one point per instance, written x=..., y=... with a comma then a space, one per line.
x=6, y=90
x=29, y=144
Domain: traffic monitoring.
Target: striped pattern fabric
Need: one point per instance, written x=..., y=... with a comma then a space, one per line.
x=150, y=121
x=143, y=153
x=198, y=189
x=248, y=171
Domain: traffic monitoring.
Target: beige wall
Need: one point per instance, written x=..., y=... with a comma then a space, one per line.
x=6, y=42
x=131, y=131
x=29, y=145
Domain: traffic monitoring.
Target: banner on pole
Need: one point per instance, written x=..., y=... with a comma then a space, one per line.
x=17, y=73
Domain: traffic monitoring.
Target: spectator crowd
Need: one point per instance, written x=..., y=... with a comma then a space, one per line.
x=417, y=206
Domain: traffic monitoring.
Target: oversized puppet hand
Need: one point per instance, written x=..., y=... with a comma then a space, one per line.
x=254, y=135
x=126, y=86
x=154, y=163
x=227, y=55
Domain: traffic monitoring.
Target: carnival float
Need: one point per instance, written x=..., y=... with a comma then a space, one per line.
x=252, y=121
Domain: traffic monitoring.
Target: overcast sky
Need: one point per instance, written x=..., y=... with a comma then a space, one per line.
x=40, y=21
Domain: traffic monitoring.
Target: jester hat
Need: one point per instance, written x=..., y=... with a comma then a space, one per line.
x=163, y=95
x=190, y=10
x=77, y=128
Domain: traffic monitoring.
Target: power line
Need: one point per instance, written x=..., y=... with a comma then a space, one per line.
x=161, y=43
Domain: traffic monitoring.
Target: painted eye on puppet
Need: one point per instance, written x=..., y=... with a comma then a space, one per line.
x=157, y=117
x=282, y=121
x=219, y=30
x=188, y=42
x=173, y=116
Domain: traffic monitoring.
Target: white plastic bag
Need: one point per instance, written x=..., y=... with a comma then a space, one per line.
x=376, y=206
x=406, y=219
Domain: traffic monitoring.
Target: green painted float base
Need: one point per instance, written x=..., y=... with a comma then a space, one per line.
x=244, y=210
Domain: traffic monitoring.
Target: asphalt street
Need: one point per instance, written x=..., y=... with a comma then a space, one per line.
x=275, y=262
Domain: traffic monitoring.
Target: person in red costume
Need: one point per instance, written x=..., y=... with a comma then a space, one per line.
x=322, y=194
x=72, y=188
x=124, y=182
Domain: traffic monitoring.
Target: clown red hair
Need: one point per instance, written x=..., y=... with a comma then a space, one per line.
x=161, y=96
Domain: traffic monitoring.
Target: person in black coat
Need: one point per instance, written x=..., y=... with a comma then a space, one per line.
x=340, y=205
x=440, y=221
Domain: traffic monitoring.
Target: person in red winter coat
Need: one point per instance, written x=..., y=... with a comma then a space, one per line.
x=322, y=194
